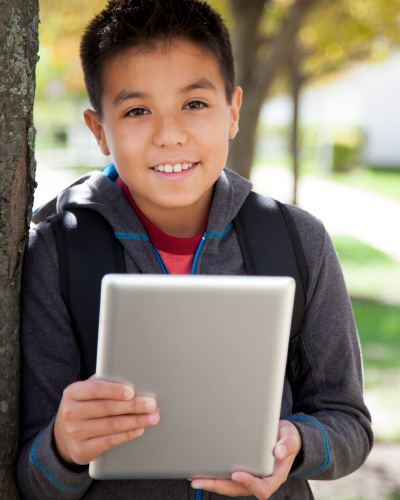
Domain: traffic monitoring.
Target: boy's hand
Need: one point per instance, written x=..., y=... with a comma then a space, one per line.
x=95, y=416
x=243, y=484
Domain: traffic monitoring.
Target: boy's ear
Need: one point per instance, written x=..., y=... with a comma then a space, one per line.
x=234, y=111
x=94, y=124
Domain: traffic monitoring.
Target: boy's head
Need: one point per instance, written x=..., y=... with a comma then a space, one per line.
x=160, y=77
x=145, y=25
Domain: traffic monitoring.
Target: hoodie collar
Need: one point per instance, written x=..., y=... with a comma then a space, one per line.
x=100, y=193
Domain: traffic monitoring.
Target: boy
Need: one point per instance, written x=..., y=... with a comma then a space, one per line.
x=160, y=77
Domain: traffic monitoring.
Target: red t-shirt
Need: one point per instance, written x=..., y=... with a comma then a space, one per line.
x=177, y=254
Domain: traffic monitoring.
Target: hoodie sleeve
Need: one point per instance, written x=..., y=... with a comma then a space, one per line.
x=329, y=410
x=50, y=362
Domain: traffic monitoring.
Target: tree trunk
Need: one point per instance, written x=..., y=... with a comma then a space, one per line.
x=257, y=63
x=295, y=87
x=18, y=57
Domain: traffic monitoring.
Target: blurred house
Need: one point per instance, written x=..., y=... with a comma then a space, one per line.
x=364, y=98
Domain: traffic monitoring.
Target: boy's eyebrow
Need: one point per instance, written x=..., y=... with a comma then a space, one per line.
x=203, y=83
x=125, y=94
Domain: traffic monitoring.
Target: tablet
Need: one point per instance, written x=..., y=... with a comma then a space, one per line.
x=212, y=351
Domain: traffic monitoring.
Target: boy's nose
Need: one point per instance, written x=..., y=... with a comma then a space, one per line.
x=169, y=132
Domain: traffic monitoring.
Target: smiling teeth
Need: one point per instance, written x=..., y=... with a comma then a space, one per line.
x=178, y=167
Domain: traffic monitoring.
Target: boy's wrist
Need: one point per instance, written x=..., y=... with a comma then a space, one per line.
x=69, y=464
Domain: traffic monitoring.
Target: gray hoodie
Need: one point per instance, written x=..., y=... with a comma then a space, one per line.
x=329, y=410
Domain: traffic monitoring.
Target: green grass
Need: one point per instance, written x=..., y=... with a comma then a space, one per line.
x=372, y=275
x=356, y=252
x=369, y=273
x=379, y=330
x=382, y=182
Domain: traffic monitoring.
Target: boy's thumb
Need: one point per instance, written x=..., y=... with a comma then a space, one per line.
x=280, y=451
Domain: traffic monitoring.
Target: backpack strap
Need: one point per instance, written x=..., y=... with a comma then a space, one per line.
x=87, y=250
x=271, y=246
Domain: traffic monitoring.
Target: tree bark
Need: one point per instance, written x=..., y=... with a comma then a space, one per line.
x=296, y=83
x=18, y=56
x=257, y=64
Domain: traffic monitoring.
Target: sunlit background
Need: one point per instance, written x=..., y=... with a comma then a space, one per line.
x=348, y=170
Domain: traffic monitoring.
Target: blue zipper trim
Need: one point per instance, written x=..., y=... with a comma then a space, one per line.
x=199, y=494
x=159, y=259
x=131, y=236
x=208, y=236
x=328, y=458
x=143, y=237
x=196, y=255
x=33, y=459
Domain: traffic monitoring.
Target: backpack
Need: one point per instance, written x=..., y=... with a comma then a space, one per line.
x=268, y=239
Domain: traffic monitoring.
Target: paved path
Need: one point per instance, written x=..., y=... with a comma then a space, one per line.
x=369, y=217
x=377, y=479
x=50, y=182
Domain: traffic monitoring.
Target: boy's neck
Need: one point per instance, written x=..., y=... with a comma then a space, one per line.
x=180, y=222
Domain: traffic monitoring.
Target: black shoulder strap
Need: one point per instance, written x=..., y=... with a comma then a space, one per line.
x=271, y=246
x=87, y=250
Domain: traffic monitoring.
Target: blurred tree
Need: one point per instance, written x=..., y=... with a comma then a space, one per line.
x=332, y=37
x=300, y=41
x=61, y=27
x=264, y=35
x=18, y=56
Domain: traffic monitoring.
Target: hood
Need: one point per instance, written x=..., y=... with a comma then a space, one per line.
x=98, y=191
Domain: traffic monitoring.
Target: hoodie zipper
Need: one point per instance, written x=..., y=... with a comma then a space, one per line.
x=196, y=255
x=199, y=493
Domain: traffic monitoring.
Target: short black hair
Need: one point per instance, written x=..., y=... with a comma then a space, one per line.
x=126, y=24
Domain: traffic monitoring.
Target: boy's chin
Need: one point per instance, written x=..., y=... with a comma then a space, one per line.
x=176, y=203
x=180, y=199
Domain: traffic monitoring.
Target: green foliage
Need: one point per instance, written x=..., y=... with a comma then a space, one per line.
x=337, y=32
x=347, y=145
x=379, y=330
x=344, y=157
x=62, y=24
x=346, y=30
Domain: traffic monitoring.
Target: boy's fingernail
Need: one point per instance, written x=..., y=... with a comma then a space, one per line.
x=128, y=393
x=150, y=405
x=139, y=432
x=153, y=418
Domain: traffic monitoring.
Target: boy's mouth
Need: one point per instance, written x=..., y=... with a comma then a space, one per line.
x=177, y=167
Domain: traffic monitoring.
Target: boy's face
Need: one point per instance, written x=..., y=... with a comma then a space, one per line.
x=166, y=107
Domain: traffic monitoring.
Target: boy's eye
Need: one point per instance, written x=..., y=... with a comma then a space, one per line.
x=196, y=105
x=137, y=112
